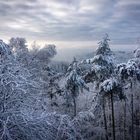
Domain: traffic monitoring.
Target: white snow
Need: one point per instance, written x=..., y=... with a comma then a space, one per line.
x=109, y=84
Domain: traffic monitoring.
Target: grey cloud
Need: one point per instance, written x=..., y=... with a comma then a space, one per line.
x=71, y=19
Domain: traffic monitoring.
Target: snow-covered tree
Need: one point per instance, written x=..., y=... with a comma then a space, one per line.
x=20, y=50
x=74, y=83
x=129, y=73
x=59, y=66
x=40, y=58
x=20, y=113
x=43, y=54
x=102, y=63
x=51, y=86
x=17, y=91
x=110, y=88
x=36, y=60
x=137, y=56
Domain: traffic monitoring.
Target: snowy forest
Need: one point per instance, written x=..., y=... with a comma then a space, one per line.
x=90, y=99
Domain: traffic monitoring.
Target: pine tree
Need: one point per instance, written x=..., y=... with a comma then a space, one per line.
x=110, y=88
x=129, y=73
x=74, y=83
x=102, y=69
x=52, y=85
x=102, y=63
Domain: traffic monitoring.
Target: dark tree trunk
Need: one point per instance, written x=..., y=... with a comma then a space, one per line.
x=132, y=111
x=113, y=118
x=105, y=122
x=137, y=125
x=75, y=109
x=124, y=125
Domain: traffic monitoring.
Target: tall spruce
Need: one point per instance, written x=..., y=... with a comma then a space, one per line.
x=129, y=73
x=74, y=83
x=110, y=89
x=102, y=63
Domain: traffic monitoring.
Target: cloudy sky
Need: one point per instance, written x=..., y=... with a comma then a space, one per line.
x=71, y=22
